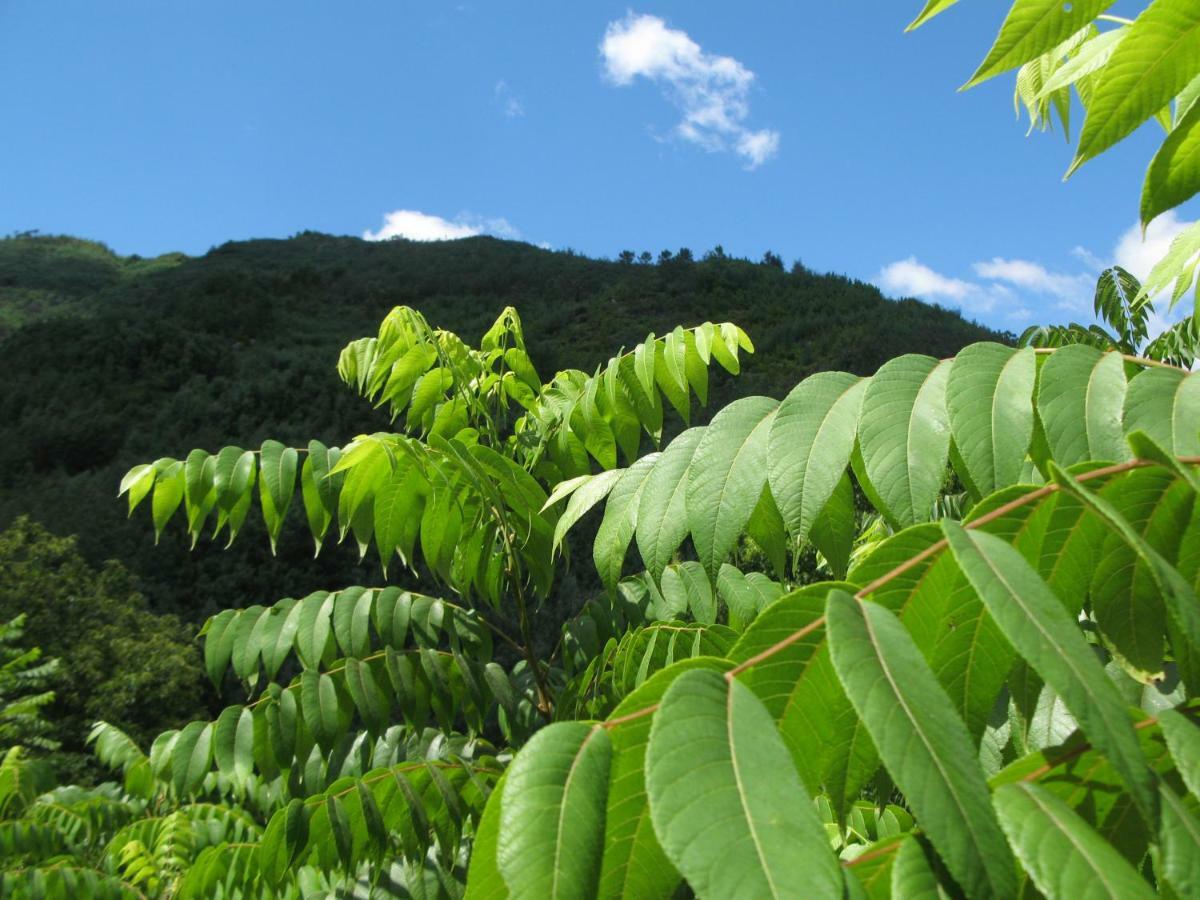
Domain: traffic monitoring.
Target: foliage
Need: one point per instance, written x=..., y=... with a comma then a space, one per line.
x=24, y=693
x=1125, y=308
x=161, y=365
x=1125, y=73
x=116, y=659
x=1005, y=668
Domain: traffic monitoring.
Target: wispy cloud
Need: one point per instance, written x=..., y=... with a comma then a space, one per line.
x=419, y=226
x=1015, y=286
x=712, y=92
x=509, y=104
x=1071, y=291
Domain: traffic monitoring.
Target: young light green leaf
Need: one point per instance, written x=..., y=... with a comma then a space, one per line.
x=552, y=813
x=1091, y=56
x=931, y=9
x=1174, y=173
x=714, y=747
x=168, y=494
x=904, y=436
x=586, y=496
x=1038, y=625
x=726, y=477
x=1034, y=27
x=1062, y=854
x=1153, y=63
x=810, y=444
x=923, y=743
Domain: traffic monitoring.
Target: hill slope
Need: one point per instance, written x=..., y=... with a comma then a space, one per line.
x=144, y=358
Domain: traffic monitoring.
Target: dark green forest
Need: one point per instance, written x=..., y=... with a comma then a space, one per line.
x=112, y=360
x=158, y=356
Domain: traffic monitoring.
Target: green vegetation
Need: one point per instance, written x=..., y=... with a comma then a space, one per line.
x=927, y=625
x=239, y=345
x=115, y=659
x=961, y=692
x=23, y=693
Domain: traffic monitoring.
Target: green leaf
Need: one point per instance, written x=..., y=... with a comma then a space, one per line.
x=584, y=498
x=218, y=644
x=661, y=511
x=904, y=436
x=168, y=494
x=931, y=9
x=686, y=586
x=1061, y=853
x=835, y=528
x=727, y=805
x=1174, y=173
x=276, y=485
x=1153, y=63
x=320, y=489
x=1047, y=636
x=1179, y=843
x=1183, y=739
x=484, y=881
x=191, y=756
x=923, y=743
x=1179, y=266
x=1126, y=597
x=989, y=398
x=552, y=813
x=1177, y=594
x=914, y=873
x=1091, y=56
x=620, y=519
x=285, y=836
x=323, y=710
x=745, y=595
x=137, y=481
x=810, y=444
x=1165, y=403
x=1034, y=27
x=726, y=477
x=1081, y=392
x=634, y=862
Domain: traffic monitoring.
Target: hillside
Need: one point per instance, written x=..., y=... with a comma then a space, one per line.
x=123, y=360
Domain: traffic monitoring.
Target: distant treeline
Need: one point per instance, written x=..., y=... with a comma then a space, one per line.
x=110, y=361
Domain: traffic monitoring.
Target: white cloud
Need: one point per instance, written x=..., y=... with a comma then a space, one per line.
x=712, y=92
x=511, y=106
x=1070, y=290
x=419, y=226
x=908, y=276
x=1008, y=285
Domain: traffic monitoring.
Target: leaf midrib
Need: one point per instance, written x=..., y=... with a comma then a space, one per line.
x=916, y=726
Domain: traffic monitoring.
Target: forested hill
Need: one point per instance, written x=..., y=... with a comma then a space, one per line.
x=110, y=360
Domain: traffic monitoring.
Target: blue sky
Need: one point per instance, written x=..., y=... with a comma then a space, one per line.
x=819, y=131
